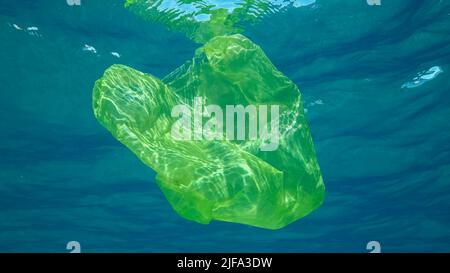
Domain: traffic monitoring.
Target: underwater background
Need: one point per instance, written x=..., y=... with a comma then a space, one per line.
x=375, y=82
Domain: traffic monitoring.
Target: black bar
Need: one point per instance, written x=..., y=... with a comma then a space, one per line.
x=223, y=262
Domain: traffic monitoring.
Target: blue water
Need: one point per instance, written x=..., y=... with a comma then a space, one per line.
x=378, y=115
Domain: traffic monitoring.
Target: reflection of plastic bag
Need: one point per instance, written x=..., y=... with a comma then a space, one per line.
x=202, y=20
